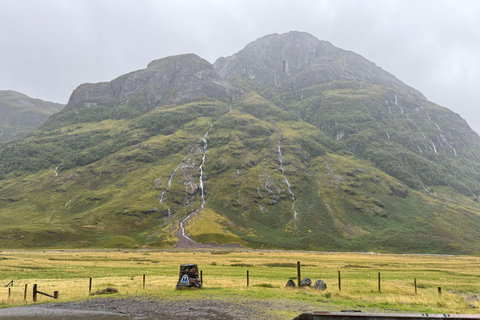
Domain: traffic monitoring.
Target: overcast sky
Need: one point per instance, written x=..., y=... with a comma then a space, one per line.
x=49, y=47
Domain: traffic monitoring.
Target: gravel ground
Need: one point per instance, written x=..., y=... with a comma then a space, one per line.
x=161, y=309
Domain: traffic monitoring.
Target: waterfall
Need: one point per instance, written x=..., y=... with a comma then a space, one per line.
x=292, y=195
x=388, y=105
x=444, y=139
x=162, y=195
x=387, y=133
x=419, y=149
x=205, y=148
x=55, y=170
x=182, y=227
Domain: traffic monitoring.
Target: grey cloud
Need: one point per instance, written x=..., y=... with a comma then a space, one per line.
x=49, y=47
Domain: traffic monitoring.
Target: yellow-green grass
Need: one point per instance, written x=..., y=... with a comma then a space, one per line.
x=224, y=277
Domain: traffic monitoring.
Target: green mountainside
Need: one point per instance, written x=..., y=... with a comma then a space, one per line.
x=289, y=143
x=21, y=115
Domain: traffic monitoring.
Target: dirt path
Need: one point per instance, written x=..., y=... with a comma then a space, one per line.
x=160, y=309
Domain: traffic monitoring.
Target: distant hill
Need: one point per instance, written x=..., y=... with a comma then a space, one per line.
x=289, y=143
x=21, y=115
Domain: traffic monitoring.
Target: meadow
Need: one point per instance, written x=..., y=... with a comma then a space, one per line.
x=224, y=277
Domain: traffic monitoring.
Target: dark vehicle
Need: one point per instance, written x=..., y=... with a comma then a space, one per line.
x=188, y=277
x=358, y=315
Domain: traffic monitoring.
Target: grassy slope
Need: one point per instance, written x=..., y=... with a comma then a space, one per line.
x=16, y=107
x=111, y=199
x=224, y=276
x=402, y=135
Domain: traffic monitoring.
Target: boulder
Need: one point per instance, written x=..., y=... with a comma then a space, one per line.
x=320, y=285
x=307, y=282
x=290, y=284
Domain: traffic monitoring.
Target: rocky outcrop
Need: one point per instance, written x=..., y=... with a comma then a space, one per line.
x=172, y=80
x=295, y=60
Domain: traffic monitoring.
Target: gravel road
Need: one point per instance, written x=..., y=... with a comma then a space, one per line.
x=159, y=309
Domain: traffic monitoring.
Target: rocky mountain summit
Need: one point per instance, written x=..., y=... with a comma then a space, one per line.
x=297, y=60
x=288, y=143
x=21, y=115
x=172, y=80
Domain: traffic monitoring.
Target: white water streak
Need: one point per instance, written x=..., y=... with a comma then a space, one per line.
x=434, y=148
x=389, y=108
x=424, y=188
x=162, y=196
x=292, y=195
x=182, y=227
x=68, y=203
x=205, y=148
x=55, y=170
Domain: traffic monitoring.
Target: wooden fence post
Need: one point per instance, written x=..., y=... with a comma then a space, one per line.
x=55, y=294
x=439, y=291
x=339, y=281
x=248, y=279
x=379, y=288
x=415, y=284
x=298, y=273
x=25, y=293
x=201, y=277
x=143, y=281
x=379, y=282
x=90, y=286
x=9, y=293
x=35, y=292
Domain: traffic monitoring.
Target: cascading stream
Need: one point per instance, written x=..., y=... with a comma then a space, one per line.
x=162, y=195
x=292, y=195
x=182, y=228
x=205, y=148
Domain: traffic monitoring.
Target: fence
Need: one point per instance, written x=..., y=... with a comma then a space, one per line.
x=36, y=292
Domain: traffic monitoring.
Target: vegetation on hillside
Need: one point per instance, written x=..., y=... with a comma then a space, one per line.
x=98, y=183
x=314, y=149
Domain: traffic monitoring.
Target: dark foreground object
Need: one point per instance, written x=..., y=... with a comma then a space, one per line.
x=188, y=277
x=354, y=315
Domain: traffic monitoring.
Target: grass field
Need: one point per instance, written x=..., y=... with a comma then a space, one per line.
x=224, y=276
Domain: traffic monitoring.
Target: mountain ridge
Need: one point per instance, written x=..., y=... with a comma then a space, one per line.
x=274, y=147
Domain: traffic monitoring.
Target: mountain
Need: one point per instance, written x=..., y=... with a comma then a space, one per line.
x=289, y=143
x=21, y=115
